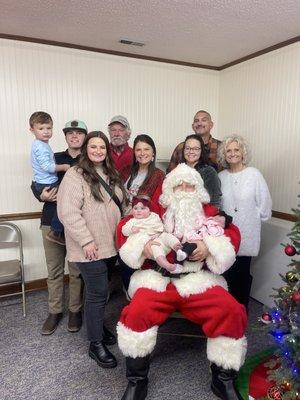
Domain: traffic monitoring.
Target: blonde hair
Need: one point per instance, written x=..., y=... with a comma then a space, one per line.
x=243, y=146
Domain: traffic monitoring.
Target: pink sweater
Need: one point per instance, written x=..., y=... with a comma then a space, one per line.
x=86, y=219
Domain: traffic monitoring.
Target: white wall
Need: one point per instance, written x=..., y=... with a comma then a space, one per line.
x=260, y=99
x=158, y=99
x=271, y=261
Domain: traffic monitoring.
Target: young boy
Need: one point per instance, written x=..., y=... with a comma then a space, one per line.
x=44, y=167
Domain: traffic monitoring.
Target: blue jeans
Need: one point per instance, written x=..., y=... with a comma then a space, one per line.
x=94, y=274
x=56, y=225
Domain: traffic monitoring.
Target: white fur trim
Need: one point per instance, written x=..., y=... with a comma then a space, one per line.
x=192, y=266
x=136, y=344
x=148, y=279
x=222, y=253
x=227, y=352
x=198, y=282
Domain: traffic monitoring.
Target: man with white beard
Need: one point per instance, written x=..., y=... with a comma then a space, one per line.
x=196, y=292
x=121, y=153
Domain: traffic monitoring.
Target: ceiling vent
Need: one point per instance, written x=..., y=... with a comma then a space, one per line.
x=131, y=43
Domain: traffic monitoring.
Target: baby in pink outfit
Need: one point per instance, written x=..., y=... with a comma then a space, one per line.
x=203, y=226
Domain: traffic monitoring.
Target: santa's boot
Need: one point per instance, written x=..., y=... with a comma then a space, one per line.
x=222, y=383
x=137, y=375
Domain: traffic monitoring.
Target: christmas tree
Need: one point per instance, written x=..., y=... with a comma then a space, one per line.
x=283, y=323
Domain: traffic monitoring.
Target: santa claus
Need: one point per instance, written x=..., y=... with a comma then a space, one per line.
x=197, y=292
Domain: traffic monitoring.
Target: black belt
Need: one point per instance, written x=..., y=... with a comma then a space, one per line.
x=168, y=274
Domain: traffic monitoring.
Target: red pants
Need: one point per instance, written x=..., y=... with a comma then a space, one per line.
x=215, y=310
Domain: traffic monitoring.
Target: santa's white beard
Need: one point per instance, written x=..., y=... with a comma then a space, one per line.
x=181, y=214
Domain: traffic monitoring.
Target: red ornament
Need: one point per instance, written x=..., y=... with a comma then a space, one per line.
x=290, y=250
x=296, y=296
x=266, y=318
x=274, y=393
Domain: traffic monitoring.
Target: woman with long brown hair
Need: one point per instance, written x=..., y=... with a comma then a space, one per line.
x=89, y=206
x=145, y=180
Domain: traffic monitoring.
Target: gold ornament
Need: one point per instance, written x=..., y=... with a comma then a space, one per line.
x=285, y=290
x=291, y=276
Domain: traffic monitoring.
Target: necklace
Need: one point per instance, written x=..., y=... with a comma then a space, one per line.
x=234, y=180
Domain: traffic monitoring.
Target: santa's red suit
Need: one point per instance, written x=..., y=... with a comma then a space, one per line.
x=199, y=293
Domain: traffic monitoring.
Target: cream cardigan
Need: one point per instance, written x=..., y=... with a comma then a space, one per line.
x=86, y=219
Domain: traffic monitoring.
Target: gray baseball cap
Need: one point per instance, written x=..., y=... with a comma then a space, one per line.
x=121, y=120
x=77, y=125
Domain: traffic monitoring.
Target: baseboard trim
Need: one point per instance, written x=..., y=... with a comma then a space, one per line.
x=31, y=286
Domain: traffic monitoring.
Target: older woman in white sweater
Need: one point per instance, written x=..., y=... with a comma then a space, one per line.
x=246, y=197
x=88, y=204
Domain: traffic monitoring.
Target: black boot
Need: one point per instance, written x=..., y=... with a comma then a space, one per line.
x=103, y=357
x=222, y=383
x=137, y=375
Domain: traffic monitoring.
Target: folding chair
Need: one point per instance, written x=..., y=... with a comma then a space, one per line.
x=12, y=270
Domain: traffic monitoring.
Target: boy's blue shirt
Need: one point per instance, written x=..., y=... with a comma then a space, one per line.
x=43, y=163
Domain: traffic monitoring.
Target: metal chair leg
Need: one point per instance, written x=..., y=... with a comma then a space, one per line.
x=24, y=300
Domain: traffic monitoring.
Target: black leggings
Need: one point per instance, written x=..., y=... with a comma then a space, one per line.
x=239, y=279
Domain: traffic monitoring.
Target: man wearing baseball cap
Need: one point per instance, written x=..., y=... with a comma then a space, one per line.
x=121, y=153
x=75, y=132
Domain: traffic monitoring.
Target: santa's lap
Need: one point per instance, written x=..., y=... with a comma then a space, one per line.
x=215, y=311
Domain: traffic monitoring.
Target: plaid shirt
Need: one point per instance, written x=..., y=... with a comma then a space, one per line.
x=211, y=147
x=122, y=161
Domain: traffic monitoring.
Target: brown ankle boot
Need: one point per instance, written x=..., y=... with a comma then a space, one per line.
x=51, y=323
x=75, y=321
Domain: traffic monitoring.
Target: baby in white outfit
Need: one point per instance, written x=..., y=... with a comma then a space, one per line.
x=144, y=226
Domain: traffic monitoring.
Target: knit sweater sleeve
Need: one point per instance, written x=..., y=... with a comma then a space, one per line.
x=212, y=184
x=70, y=199
x=262, y=197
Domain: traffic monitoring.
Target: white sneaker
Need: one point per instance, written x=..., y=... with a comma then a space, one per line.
x=180, y=255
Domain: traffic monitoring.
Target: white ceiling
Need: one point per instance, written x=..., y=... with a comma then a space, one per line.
x=209, y=32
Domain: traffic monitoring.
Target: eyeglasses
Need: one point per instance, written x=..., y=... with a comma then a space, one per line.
x=192, y=149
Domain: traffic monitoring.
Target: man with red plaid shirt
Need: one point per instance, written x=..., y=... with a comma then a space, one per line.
x=121, y=153
x=202, y=126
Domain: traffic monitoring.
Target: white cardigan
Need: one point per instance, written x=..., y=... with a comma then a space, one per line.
x=246, y=197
